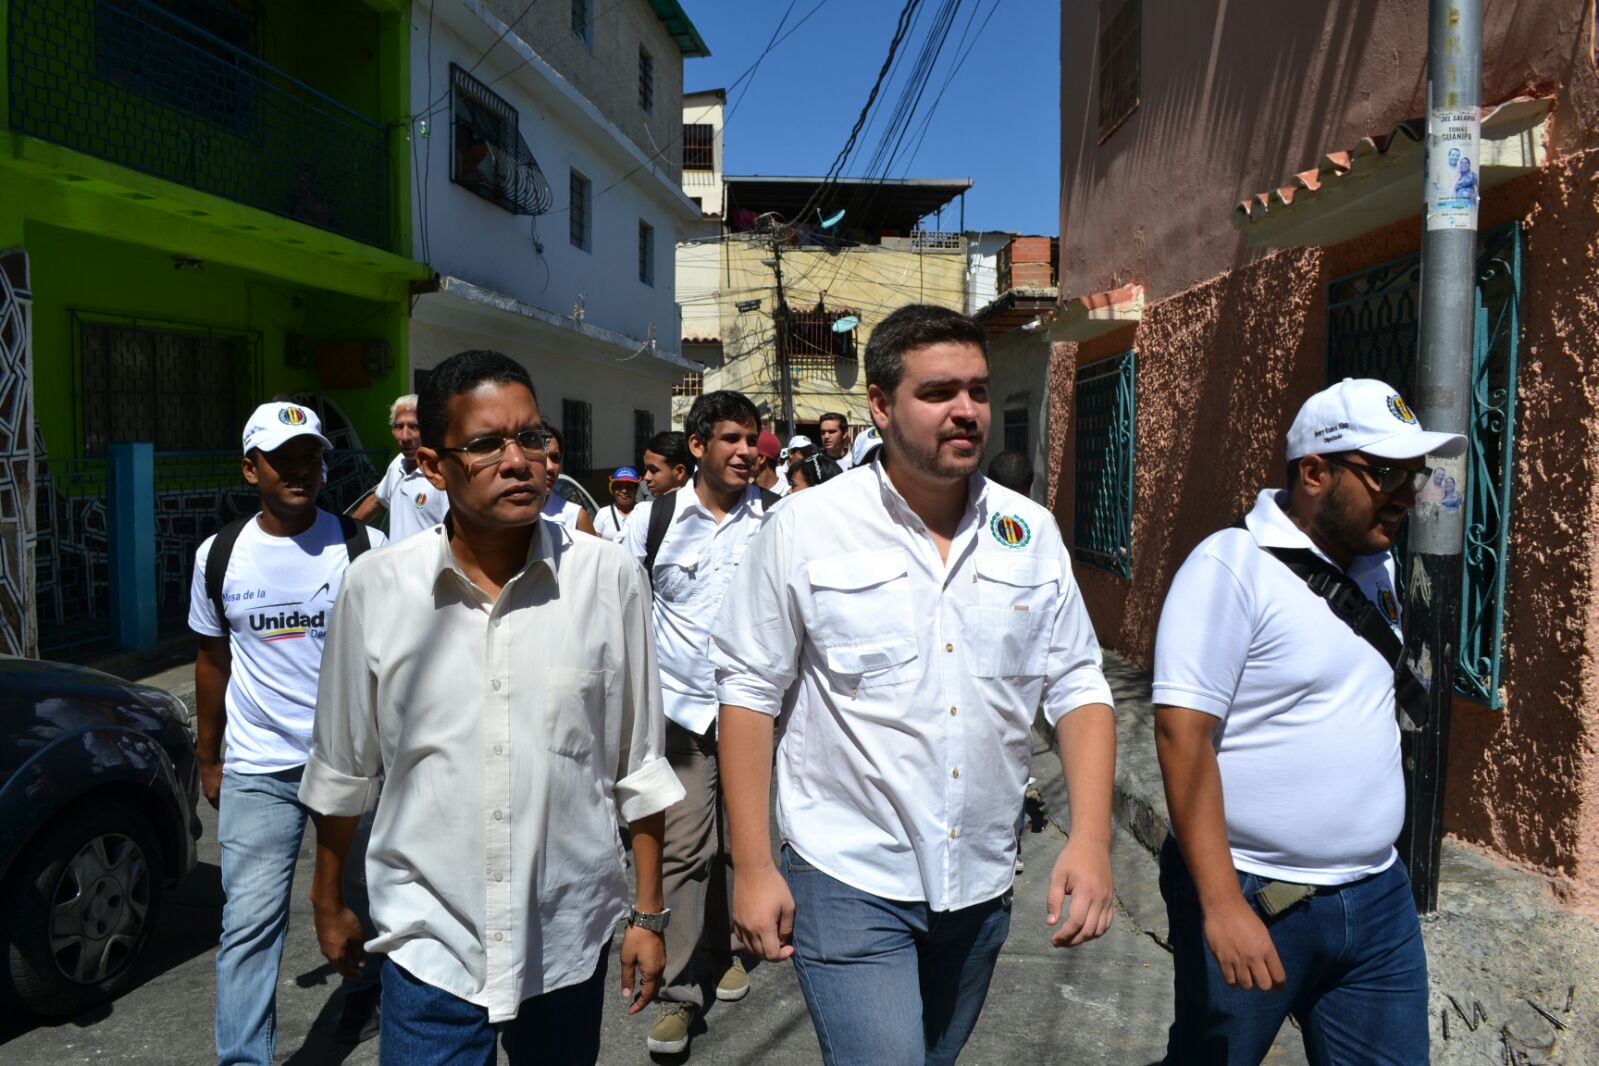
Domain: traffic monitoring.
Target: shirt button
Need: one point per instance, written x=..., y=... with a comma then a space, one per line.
x=952, y=711
x=949, y=647
x=953, y=833
x=499, y=816
x=499, y=749
x=495, y=684
x=495, y=621
x=952, y=773
x=853, y=691
x=499, y=936
x=498, y=877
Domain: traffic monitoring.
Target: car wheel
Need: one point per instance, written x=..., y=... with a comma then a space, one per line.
x=79, y=909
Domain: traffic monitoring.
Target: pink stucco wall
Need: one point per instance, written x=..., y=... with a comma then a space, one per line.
x=1232, y=340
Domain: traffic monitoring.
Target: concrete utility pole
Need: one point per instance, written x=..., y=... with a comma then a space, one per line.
x=1443, y=402
x=780, y=325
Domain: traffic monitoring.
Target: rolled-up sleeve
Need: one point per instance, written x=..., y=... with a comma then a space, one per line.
x=1076, y=675
x=756, y=645
x=342, y=774
x=645, y=782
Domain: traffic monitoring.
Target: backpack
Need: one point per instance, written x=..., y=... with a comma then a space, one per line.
x=216, y=564
x=661, y=517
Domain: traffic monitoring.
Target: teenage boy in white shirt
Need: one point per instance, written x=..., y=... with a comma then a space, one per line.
x=835, y=438
x=497, y=676
x=906, y=650
x=255, y=679
x=708, y=525
x=1276, y=730
x=411, y=500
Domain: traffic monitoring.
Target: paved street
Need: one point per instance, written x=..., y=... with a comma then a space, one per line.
x=1106, y=1003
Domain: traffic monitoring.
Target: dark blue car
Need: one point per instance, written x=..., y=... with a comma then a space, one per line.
x=98, y=784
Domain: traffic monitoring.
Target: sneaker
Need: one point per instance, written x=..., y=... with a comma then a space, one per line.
x=359, y=1021
x=669, y=1034
x=735, y=983
x=1019, y=864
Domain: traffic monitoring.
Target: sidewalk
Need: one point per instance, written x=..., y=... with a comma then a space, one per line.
x=1515, y=978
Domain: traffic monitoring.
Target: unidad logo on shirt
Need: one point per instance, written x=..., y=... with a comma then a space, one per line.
x=1401, y=410
x=291, y=416
x=1010, y=530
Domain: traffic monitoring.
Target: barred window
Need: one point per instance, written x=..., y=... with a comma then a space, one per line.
x=1016, y=429
x=583, y=21
x=646, y=82
x=1120, y=48
x=173, y=388
x=699, y=146
x=646, y=253
x=577, y=421
x=578, y=214
x=1103, y=422
x=693, y=384
x=487, y=153
x=813, y=346
x=643, y=430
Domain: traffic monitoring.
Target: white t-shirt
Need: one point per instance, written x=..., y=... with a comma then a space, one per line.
x=1309, y=748
x=412, y=501
x=611, y=523
x=558, y=508
x=278, y=592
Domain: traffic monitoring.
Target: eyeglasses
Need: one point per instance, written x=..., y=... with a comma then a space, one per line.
x=1390, y=479
x=486, y=450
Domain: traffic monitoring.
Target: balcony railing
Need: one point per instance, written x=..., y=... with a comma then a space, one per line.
x=131, y=83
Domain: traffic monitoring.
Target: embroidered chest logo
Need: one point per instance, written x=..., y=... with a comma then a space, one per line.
x=1010, y=530
x=1389, y=605
x=1401, y=410
x=421, y=499
x=291, y=416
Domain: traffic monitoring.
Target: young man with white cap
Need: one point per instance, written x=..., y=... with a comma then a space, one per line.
x=411, y=500
x=262, y=592
x=799, y=447
x=1277, y=672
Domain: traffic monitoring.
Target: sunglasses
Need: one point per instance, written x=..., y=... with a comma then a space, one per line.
x=1389, y=479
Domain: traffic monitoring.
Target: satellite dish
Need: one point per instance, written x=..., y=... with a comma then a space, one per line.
x=845, y=324
x=831, y=220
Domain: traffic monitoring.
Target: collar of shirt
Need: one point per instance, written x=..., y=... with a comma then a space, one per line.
x=972, y=518
x=547, y=545
x=1271, y=527
x=750, y=499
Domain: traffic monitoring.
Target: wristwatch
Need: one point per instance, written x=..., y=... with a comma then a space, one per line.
x=653, y=923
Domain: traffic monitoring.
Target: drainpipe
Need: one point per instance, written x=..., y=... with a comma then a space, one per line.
x=1443, y=403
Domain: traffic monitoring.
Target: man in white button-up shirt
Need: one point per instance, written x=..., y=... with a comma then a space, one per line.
x=906, y=620
x=711, y=522
x=496, y=674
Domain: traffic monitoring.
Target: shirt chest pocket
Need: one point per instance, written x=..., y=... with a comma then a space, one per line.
x=675, y=575
x=574, y=711
x=863, y=618
x=1013, y=617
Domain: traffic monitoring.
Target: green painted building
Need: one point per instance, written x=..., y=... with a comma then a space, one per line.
x=203, y=203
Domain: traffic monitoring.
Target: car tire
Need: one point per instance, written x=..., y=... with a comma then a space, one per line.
x=80, y=903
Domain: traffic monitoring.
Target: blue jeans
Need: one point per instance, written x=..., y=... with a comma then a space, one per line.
x=1356, y=968
x=889, y=983
x=259, y=826
x=426, y=1026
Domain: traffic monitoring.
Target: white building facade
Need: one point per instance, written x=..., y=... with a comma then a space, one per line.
x=549, y=205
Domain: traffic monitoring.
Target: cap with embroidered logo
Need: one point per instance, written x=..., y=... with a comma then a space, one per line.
x=272, y=425
x=799, y=440
x=865, y=446
x=626, y=475
x=1369, y=416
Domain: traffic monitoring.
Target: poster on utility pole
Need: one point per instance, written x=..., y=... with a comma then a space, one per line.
x=1454, y=142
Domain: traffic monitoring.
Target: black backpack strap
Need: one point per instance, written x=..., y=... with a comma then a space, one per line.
x=661, y=511
x=769, y=499
x=216, y=565
x=355, y=538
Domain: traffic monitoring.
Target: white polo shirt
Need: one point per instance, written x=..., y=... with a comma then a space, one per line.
x=413, y=503
x=693, y=567
x=906, y=684
x=1309, y=746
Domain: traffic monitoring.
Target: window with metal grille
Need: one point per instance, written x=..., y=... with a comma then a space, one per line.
x=1372, y=319
x=693, y=384
x=643, y=430
x=1103, y=422
x=1120, y=48
x=577, y=421
x=646, y=82
x=487, y=153
x=699, y=146
x=813, y=346
x=1016, y=430
x=146, y=48
x=578, y=214
x=646, y=253
x=175, y=389
x=583, y=21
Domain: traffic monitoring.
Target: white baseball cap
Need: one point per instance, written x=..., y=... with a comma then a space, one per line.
x=799, y=441
x=1365, y=415
x=272, y=425
x=866, y=443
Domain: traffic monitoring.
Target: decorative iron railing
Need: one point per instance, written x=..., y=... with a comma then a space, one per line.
x=1103, y=421
x=132, y=83
x=1372, y=332
x=196, y=494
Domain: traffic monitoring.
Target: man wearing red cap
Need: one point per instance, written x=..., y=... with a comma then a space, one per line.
x=611, y=523
x=769, y=450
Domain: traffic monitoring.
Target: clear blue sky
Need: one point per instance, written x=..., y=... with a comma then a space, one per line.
x=997, y=124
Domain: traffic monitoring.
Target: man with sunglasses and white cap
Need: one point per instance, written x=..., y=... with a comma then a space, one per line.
x=1276, y=679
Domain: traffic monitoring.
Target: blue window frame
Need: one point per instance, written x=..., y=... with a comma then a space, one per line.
x=1372, y=332
x=1103, y=421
